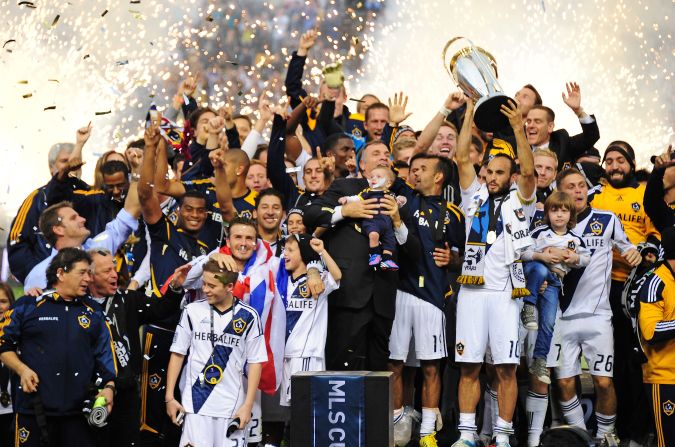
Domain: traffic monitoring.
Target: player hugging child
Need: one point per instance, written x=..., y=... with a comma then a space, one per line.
x=555, y=252
x=380, y=229
x=306, y=317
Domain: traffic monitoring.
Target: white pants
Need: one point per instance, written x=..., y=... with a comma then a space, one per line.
x=293, y=365
x=594, y=336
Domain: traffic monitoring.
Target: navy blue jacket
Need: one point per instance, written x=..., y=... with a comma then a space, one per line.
x=66, y=343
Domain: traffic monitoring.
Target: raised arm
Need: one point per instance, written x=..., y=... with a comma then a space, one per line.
x=161, y=181
x=276, y=168
x=296, y=67
x=526, y=180
x=453, y=102
x=223, y=191
x=152, y=211
x=590, y=133
x=467, y=173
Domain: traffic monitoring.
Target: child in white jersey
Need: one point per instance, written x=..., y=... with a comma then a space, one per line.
x=306, y=317
x=555, y=252
x=223, y=336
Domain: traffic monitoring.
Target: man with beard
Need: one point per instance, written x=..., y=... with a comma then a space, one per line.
x=424, y=288
x=125, y=312
x=58, y=347
x=361, y=311
x=624, y=196
x=497, y=218
x=268, y=214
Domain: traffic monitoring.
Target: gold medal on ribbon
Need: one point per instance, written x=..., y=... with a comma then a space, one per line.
x=213, y=374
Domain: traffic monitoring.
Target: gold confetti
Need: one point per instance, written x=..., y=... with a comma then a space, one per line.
x=27, y=95
x=103, y=113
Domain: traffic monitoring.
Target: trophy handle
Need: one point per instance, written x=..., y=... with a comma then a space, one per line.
x=445, y=50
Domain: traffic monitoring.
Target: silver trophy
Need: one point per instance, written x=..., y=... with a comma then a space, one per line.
x=474, y=70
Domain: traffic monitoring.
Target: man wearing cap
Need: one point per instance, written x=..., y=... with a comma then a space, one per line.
x=623, y=195
x=656, y=322
x=591, y=155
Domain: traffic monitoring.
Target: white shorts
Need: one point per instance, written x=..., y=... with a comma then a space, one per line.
x=591, y=335
x=418, y=319
x=487, y=318
x=293, y=365
x=529, y=338
x=201, y=430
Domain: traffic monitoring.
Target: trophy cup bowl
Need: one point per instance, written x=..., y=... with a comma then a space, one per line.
x=474, y=70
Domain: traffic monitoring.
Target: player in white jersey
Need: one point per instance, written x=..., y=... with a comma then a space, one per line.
x=586, y=324
x=306, y=317
x=224, y=338
x=497, y=228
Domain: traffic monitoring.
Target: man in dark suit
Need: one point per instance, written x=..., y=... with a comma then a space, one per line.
x=361, y=311
x=539, y=126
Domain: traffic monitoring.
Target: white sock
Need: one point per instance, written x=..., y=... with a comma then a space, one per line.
x=467, y=426
x=605, y=424
x=574, y=414
x=536, y=406
x=494, y=408
x=487, y=414
x=503, y=430
x=397, y=414
x=428, y=425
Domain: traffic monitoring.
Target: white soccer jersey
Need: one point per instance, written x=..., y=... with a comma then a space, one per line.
x=586, y=289
x=306, y=317
x=496, y=273
x=544, y=237
x=227, y=340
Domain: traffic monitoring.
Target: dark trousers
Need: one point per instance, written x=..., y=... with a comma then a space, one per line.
x=358, y=339
x=6, y=426
x=662, y=402
x=64, y=431
x=382, y=225
x=123, y=428
x=632, y=415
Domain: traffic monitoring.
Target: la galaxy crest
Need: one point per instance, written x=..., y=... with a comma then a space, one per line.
x=238, y=325
x=23, y=434
x=459, y=347
x=84, y=321
x=154, y=381
x=635, y=206
x=303, y=290
x=596, y=227
x=668, y=407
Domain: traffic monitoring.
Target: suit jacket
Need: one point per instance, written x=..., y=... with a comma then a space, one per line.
x=569, y=148
x=349, y=247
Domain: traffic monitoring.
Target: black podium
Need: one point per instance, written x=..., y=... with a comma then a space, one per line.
x=342, y=409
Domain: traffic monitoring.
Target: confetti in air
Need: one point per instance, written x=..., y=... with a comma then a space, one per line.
x=619, y=51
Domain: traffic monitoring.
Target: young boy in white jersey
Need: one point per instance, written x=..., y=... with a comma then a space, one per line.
x=223, y=336
x=306, y=317
x=555, y=252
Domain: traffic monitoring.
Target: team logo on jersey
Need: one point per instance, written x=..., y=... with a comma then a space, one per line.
x=571, y=245
x=635, y=206
x=459, y=347
x=668, y=407
x=84, y=321
x=246, y=214
x=23, y=434
x=508, y=228
x=520, y=214
x=357, y=132
x=154, y=381
x=596, y=228
x=239, y=325
x=303, y=290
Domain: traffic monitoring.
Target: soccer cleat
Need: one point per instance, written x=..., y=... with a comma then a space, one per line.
x=403, y=428
x=463, y=443
x=429, y=440
x=374, y=260
x=388, y=265
x=540, y=371
x=528, y=317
